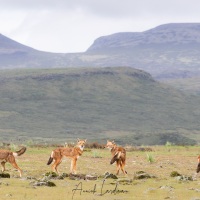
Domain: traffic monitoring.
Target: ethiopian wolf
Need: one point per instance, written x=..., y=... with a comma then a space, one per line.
x=119, y=156
x=9, y=156
x=70, y=152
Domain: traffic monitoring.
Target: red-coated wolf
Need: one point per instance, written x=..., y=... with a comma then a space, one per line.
x=70, y=152
x=119, y=156
x=9, y=156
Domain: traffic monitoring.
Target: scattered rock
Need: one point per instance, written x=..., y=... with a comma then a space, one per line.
x=45, y=179
x=50, y=184
x=125, y=181
x=174, y=174
x=62, y=176
x=77, y=176
x=44, y=183
x=51, y=174
x=39, y=183
x=90, y=177
x=142, y=175
x=184, y=178
x=4, y=175
x=109, y=175
x=166, y=187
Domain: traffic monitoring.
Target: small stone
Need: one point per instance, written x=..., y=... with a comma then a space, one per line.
x=142, y=175
x=174, y=174
x=108, y=175
x=166, y=187
x=4, y=175
x=90, y=177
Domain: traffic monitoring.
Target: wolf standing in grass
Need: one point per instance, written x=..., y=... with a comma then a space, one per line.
x=73, y=153
x=9, y=156
x=119, y=156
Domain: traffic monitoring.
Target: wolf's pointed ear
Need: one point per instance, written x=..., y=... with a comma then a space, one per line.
x=113, y=142
x=108, y=141
x=78, y=139
x=85, y=140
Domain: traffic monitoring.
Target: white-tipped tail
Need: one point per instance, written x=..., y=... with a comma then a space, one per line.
x=15, y=154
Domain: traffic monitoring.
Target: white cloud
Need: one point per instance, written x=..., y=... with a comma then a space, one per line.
x=72, y=25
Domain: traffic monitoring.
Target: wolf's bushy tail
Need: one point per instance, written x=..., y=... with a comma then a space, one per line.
x=20, y=152
x=50, y=159
x=115, y=157
x=198, y=168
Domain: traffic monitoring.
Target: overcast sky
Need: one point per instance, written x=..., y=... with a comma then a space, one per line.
x=72, y=25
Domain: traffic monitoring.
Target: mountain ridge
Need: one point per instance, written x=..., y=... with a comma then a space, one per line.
x=171, y=33
x=8, y=45
x=168, y=51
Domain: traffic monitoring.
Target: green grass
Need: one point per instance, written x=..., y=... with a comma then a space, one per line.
x=189, y=85
x=124, y=104
x=173, y=158
x=150, y=158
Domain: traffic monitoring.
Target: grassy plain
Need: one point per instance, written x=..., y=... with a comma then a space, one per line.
x=96, y=162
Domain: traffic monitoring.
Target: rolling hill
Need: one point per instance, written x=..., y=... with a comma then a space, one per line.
x=120, y=103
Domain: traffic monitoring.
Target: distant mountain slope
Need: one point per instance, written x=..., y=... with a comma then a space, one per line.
x=10, y=46
x=168, y=51
x=120, y=103
x=170, y=34
x=15, y=55
x=162, y=51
